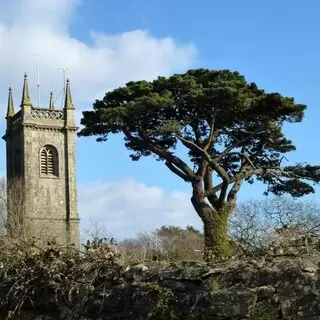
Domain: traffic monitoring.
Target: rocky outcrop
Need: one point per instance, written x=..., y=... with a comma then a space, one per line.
x=267, y=287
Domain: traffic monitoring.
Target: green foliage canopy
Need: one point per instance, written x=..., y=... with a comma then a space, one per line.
x=230, y=127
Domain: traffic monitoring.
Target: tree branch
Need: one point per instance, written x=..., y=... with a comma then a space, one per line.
x=212, y=133
x=232, y=195
x=242, y=154
x=177, y=171
x=241, y=142
x=192, y=146
x=162, y=153
x=197, y=134
x=207, y=180
x=223, y=192
x=249, y=172
x=223, y=187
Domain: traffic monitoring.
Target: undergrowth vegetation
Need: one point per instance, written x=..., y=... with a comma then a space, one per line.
x=33, y=276
x=54, y=272
x=61, y=273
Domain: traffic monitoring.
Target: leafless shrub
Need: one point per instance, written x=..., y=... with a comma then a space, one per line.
x=96, y=232
x=133, y=251
x=248, y=226
x=257, y=223
x=284, y=212
x=12, y=205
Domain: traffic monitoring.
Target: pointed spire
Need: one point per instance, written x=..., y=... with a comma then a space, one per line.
x=68, y=100
x=25, y=93
x=51, y=105
x=10, y=110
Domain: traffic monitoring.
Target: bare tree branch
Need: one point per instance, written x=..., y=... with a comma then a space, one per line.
x=207, y=180
x=213, y=131
x=177, y=171
x=192, y=146
x=197, y=134
x=275, y=171
x=162, y=153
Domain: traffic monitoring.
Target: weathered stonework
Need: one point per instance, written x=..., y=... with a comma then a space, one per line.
x=97, y=286
x=49, y=200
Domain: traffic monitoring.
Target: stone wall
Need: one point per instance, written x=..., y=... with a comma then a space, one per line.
x=265, y=288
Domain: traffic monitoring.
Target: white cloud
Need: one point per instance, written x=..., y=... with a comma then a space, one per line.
x=124, y=208
x=31, y=27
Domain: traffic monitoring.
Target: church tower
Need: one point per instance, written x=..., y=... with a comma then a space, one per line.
x=41, y=170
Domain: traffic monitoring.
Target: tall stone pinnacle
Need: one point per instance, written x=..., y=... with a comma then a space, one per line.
x=25, y=101
x=51, y=105
x=68, y=100
x=10, y=110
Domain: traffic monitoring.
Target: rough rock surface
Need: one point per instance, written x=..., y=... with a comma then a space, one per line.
x=259, y=288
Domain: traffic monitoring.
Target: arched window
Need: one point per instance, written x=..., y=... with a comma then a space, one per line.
x=49, y=161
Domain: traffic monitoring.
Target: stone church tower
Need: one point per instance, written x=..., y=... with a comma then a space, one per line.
x=41, y=170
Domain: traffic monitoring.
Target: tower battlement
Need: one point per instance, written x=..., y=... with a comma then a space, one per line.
x=45, y=118
x=41, y=153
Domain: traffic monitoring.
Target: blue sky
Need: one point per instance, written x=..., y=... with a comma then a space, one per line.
x=106, y=43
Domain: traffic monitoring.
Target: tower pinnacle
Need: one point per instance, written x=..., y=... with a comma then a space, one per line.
x=51, y=105
x=10, y=110
x=25, y=101
x=68, y=101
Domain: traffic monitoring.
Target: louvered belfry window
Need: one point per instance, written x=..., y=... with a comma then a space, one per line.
x=48, y=161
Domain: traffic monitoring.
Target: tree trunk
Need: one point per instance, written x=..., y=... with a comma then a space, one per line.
x=215, y=225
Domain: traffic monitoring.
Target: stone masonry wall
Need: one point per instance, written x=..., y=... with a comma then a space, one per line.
x=265, y=288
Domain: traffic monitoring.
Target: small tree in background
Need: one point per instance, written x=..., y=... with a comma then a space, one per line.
x=254, y=222
x=249, y=226
x=231, y=131
x=169, y=243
